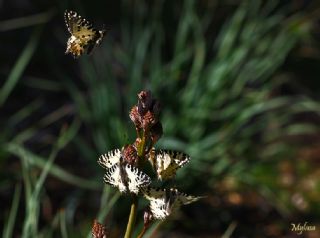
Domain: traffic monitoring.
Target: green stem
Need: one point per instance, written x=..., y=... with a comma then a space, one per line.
x=134, y=204
x=141, y=146
x=132, y=217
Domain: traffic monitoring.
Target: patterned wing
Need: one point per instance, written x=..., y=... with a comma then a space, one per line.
x=83, y=35
x=79, y=26
x=157, y=198
x=164, y=202
x=109, y=159
x=152, y=193
x=126, y=178
x=136, y=178
x=185, y=199
x=115, y=178
x=167, y=162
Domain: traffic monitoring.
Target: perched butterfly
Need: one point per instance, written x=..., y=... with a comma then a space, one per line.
x=83, y=36
x=98, y=230
x=166, y=162
x=110, y=158
x=126, y=177
x=164, y=202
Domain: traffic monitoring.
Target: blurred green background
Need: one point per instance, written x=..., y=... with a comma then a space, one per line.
x=239, y=87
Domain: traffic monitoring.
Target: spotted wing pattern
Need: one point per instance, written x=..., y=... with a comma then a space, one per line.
x=109, y=159
x=164, y=202
x=126, y=178
x=84, y=37
x=167, y=162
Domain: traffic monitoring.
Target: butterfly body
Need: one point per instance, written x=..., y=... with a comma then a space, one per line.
x=84, y=37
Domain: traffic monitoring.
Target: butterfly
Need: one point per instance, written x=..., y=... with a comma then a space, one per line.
x=167, y=162
x=98, y=230
x=164, y=202
x=126, y=178
x=109, y=159
x=84, y=37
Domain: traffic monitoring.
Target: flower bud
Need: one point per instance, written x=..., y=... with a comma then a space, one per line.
x=129, y=154
x=148, y=120
x=98, y=230
x=135, y=117
x=144, y=102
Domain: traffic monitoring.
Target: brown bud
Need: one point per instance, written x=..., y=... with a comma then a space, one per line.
x=156, y=132
x=129, y=154
x=135, y=117
x=144, y=102
x=98, y=230
x=148, y=120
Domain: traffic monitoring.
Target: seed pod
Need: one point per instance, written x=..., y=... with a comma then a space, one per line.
x=129, y=154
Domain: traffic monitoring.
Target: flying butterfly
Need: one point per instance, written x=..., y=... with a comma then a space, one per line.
x=126, y=178
x=164, y=202
x=167, y=162
x=84, y=37
x=109, y=159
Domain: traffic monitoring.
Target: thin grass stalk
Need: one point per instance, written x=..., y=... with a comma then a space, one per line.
x=8, y=229
x=20, y=65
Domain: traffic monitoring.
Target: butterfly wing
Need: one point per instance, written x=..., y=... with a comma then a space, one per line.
x=127, y=178
x=164, y=202
x=79, y=26
x=83, y=35
x=136, y=178
x=157, y=205
x=168, y=162
x=115, y=178
x=152, y=193
x=187, y=199
x=109, y=159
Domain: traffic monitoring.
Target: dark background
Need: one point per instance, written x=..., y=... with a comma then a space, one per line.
x=239, y=87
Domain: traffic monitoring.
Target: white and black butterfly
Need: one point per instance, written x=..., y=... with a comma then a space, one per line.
x=109, y=159
x=167, y=162
x=164, y=202
x=126, y=177
x=84, y=37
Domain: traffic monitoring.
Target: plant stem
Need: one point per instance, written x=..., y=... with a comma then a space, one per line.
x=132, y=217
x=142, y=232
x=134, y=204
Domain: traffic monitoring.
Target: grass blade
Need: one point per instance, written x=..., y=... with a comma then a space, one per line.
x=7, y=232
x=26, y=21
x=20, y=66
